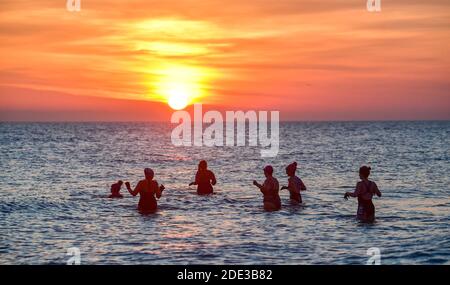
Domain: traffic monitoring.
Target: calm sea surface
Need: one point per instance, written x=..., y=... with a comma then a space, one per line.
x=55, y=177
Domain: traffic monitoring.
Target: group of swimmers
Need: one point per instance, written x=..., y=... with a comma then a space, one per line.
x=149, y=190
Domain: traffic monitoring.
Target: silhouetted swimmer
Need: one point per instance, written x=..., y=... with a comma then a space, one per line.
x=270, y=190
x=147, y=190
x=365, y=189
x=295, y=184
x=115, y=190
x=204, y=179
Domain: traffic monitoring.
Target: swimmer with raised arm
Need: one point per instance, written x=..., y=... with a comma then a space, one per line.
x=295, y=184
x=365, y=189
x=204, y=179
x=148, y=190
x=270, y=189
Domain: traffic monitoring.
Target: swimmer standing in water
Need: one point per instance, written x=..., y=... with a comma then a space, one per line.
x=270, y=190
x=147, y=190
x=204, y=179
x=295, y=184
x=365, y=189
x=115, y=190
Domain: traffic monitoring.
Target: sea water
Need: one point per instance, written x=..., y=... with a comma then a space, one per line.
x=55, y=177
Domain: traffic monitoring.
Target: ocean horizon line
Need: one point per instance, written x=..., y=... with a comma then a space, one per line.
x=281, y=121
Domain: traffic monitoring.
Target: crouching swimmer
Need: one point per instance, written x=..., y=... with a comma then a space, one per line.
x=115, y=190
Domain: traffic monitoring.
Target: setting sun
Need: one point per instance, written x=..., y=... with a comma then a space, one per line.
x=179, y=85
x=178, y=96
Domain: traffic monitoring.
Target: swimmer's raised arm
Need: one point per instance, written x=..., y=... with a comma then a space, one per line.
x=158, y=189
x=261, y=187
x=132, y=192
x=353, y=194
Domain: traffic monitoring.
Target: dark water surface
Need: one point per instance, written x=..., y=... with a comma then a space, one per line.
x=54, y=179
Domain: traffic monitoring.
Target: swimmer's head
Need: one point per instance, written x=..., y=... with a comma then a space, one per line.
x=291, y=168
x=203, y=165
x=364, y=172
x=268, y=170
x=120, y=182
x=149, y=174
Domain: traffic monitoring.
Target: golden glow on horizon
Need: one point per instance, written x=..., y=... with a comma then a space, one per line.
x=176, y=79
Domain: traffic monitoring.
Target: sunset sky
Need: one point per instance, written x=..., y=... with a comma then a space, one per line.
x=311, y=60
